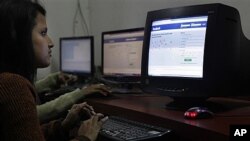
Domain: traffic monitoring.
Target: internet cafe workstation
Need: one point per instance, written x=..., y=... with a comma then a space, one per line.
x=174, y=70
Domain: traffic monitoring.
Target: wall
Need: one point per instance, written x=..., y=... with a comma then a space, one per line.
x=108, y=15
x=105, y=15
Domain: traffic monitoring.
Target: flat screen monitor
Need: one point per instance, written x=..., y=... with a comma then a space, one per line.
x=192, y=52
x=122, y=53
x=76, y=55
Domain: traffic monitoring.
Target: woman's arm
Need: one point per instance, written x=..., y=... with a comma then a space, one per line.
x=53, y=108
x=18, y=110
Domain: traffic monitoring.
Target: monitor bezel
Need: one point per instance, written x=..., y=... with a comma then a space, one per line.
x=192, y=87
x=80, y=74
x=128, y=77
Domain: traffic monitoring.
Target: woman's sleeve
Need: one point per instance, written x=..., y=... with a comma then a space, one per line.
x=18, y=111
x=53, y=131
x=53, y=108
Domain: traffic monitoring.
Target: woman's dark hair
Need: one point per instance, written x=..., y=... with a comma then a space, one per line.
x=17, y=20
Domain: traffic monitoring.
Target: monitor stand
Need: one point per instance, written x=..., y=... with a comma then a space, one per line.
x=183, y=104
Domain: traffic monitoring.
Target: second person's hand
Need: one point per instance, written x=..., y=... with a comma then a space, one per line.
x=96, y=88
x=64, y=79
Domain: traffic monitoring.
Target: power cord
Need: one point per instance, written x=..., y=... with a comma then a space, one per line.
x=82, y=19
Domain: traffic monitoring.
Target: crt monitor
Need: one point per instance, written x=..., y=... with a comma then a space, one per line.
x=193, y=52
x=122, y=53
x=76, y=55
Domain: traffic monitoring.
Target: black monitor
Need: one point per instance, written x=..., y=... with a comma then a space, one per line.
x=121, y=54
x=76, y=55
x=193, y=52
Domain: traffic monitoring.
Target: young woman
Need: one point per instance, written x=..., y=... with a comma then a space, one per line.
x=24, y=47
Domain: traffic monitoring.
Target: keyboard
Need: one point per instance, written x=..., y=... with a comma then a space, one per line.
x=115, y=90
x=118, y=81
x=121, y=129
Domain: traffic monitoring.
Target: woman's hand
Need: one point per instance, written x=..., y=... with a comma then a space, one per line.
x=78, y=112
x=91, y=127
x=96, y=88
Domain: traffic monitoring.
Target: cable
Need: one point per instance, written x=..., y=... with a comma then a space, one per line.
x=82, y=16
x=82, y=19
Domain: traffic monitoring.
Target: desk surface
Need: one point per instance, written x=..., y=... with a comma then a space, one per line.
x=151, y=109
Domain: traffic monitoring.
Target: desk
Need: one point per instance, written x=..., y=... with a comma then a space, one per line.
x=151, y=109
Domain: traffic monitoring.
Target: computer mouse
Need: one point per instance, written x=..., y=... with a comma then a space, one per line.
x=198, y=113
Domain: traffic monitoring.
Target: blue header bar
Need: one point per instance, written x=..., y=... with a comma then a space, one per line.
x=179, y=26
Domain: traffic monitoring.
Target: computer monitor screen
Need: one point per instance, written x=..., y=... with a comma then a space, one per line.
x=176, y=47
x=192, y=52
x=122, y=52
x=76, y=55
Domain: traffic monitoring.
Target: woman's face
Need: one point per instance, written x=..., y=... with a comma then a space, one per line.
x=41, y=42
